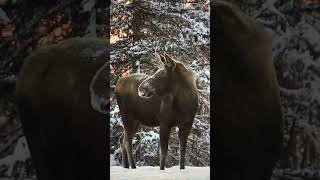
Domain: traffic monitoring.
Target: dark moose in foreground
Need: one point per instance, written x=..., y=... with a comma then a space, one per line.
x=247, y=118
x=66, y=136
x=167, y=99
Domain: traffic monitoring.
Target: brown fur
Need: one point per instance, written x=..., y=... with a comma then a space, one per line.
x=174, y=103
x=66, y=136
x=247, y=113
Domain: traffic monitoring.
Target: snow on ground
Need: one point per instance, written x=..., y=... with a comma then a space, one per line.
x=148, y=173
x=20, y=153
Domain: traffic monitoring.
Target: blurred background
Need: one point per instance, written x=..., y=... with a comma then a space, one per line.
x=296, y=54
x=24, y=26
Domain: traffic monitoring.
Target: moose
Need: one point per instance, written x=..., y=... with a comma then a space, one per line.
x=167, y=99
x=65, y=133
x=247, y=114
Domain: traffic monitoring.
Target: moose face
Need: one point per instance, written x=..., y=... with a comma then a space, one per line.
x=159, y=83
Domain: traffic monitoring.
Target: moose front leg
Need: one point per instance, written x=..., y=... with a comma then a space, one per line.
x=165, y=113
x=184, y=132
x=164, y=138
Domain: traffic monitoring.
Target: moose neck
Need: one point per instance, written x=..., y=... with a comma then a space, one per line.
x=185, y=89
x=184, y=78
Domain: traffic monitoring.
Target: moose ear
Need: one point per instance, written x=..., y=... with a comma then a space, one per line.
x=157, y=56
x=157, y=61
x=163, y=59
x=170, y=62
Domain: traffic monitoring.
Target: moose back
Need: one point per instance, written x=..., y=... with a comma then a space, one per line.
x=166, y=99
x=66, y=136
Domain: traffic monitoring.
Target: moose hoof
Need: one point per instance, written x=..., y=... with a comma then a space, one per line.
x=161, y=168
x=133, y=167
x=126, y=167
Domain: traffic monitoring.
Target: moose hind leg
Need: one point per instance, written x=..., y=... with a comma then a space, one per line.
x=34, y=139
x=164, y=138
x=184, y=132
x=128, y=145
x=125, y=162
x=129, y=131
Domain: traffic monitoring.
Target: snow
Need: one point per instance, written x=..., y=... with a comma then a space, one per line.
x=149, y=172
x=114, y=111
x=112, y=161
x=21, y=153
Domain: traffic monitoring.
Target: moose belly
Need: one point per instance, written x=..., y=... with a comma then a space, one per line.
x=150, y=122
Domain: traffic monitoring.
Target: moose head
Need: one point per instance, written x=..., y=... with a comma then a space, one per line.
x=160, y=83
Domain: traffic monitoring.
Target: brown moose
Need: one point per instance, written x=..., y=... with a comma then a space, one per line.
x=167, y=99
x=247, y=114
x=66, y=135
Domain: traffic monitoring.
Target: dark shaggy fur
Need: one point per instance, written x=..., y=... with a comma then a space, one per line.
x=247, y=113
x=66, y=136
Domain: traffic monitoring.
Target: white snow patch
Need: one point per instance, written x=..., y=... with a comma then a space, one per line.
x=112, y=161
x=114, y=111
x=20, y=153
x=148, y=172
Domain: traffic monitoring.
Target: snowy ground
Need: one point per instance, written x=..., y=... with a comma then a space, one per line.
x=148, y=172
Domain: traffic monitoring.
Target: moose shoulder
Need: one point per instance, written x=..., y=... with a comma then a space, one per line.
x=247, y=112
x=66, y=136
x=166, y=99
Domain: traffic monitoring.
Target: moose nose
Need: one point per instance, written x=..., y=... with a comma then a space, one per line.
x=142, y=91
x=145, y=92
